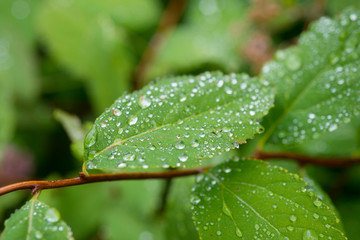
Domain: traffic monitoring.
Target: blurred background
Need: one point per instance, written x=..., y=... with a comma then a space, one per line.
x=62, y=62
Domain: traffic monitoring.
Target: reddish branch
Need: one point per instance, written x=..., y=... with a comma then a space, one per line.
x=36, y=186
x=169, y=20
x=304, y=159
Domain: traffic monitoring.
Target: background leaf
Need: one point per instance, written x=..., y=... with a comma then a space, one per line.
x=317, y=81
x=35, y=220
x=177, y=122
x=250, y=198
x=96, y=35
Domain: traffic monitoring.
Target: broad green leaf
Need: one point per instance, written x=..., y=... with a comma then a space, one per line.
x=35, y=220
x=211, y=33
x=85, y=37
x=17, y=35
x=254, y=200
x=317, y=81
x=84, y=216
x=177, y=122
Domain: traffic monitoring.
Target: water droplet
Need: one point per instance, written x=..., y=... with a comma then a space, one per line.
x=183, y=157
x=91, y=137
x=38, y=235
x=353, y=17
x=180, y=145
x=316, y=216
x=274, y=206
x=133, y=120
x=144, y=101
x=243, y=86
x=293, y=218
x=122, y=165
x=218, y=233
x=238, y=232
x=116, y=112
x=317, y=203
x=226, y=210
x=257, y=227
x=310, y=235
x=129, y=157
x=290, y=228
x=52, y=215
x=194, y=143
x=89, y=165
x=333, y=127
x=220, y=83
x=103, y=124
x=311, y=115
x=252, y=113
x=228, y=90
x=293, y=62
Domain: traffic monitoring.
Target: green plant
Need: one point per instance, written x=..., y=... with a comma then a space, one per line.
x=221, y=128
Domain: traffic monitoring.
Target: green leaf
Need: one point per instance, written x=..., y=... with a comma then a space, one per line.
x=317, y=81
x=252, y=199
x=177, y=122
x=86, y=38
x=35, y=220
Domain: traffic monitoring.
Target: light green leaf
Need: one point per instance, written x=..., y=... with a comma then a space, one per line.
x=317, y=81
x=86, y=38
x=177, y=122
x=35, y=220
x=254, y=200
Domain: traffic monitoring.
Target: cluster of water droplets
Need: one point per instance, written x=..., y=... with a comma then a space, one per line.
x=253, y=199
x=177, y=122
x=320, y=94
x=45, y=221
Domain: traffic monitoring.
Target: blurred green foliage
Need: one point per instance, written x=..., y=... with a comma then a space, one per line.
x=80, y=55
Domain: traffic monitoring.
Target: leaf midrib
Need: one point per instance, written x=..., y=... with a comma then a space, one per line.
x=169, y=124
x=277, y=122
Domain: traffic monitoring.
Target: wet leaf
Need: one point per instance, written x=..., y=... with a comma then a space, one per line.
x=35, y=220
x=251, y=199
x=177, y=122
x=317, y=81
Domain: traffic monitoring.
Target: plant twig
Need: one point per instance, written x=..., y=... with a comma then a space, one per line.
x=304, y=159
x=36, y=186
x=169, y=20
x=164, y=196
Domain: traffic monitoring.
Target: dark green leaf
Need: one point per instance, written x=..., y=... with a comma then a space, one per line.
x=35, y=220
x=252, y=199
x=317, y=82
x=177, y=122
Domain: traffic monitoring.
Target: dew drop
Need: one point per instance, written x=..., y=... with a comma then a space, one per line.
x=293, y=218
x=310, y=235
x=333, y=127
x=238, y=232
x=103, y=124
x=90, y=165
x=353, y=17
x=183, y=157
x=293, y=62
x=252, y=113
x=144, y=101
x=91, y=137
x=116, y=112
x=38, y=235
x=218, y=233
x=122, y=165
x=317, y=203
x=228, y=90
x=194, y=143
x=311, y=115
x=133, y=120
x=129, y=157
x=226, y=210
x=220, y=83
x=180, y=145
x=290, y=228
x=52, y=215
